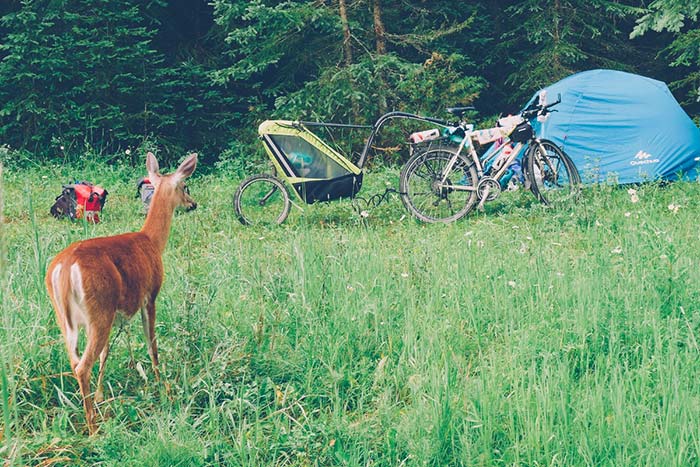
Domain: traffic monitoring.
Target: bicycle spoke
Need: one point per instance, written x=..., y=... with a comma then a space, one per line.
x=553, y=177
x=432, y=193
x=262, y=200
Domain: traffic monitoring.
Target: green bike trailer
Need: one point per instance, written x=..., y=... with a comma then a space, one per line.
x=315, y=170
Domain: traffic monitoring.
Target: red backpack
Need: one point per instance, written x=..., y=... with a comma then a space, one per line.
x=78, y=200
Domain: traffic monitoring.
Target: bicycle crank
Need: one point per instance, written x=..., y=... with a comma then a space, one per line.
x=488, y=189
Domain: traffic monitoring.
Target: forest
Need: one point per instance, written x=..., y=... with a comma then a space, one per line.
x=104, y=78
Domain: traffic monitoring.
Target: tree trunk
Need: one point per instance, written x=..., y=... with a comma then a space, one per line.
x=556, y=38
x=347, y=49
x=379, y=31
x=380, y=37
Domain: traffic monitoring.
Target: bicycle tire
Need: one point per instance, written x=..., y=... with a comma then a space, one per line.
x=262, y=200
x=552, y=176
x=429, y=202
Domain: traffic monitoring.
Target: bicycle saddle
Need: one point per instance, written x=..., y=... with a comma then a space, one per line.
x=459, y=111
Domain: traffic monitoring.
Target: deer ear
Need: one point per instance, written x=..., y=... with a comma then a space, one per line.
x=152, y=167
x=187, y=167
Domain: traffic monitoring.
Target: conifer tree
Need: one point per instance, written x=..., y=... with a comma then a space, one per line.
x=544, y=41
x=75, y=72
x=681, y=18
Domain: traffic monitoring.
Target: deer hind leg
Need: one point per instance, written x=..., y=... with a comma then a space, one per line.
x=99, y=393
x=96, y=347
x=61, y=305
x=148, y=319
x=71, y=334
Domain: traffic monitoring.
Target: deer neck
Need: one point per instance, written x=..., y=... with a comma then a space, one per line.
x=158, y=221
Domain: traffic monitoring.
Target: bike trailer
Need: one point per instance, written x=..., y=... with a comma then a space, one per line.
x=315, y=170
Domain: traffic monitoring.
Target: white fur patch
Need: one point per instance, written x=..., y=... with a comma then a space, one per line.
x=77, y=299
x=71, y=331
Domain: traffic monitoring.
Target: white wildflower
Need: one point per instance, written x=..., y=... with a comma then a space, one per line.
x=673, y=208
x=617, y=250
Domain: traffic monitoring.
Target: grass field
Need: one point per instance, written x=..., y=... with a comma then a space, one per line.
x=520, y=336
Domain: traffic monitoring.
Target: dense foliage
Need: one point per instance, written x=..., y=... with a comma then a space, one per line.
x=99, y=77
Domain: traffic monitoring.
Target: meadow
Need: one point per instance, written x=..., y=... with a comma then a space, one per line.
x=519, y=336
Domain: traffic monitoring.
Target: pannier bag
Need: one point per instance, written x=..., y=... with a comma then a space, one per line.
x=144, y=190
x=78, y=200
x=522, y=133
x=424, y=136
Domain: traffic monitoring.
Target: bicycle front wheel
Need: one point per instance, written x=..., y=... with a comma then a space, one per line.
x=552, y=175
x=438, y=185
x=262, y=200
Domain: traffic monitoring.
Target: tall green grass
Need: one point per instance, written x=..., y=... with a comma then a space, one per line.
x=518, y=336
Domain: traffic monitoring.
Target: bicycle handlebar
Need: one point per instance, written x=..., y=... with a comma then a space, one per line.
x=536, y=110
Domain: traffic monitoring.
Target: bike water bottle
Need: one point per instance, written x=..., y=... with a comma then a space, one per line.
x=503, y=156
x=512, y=176
x=517, y=169
x=507, y=176
x=542, y=102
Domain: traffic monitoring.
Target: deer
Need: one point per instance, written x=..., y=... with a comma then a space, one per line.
x=93, y=281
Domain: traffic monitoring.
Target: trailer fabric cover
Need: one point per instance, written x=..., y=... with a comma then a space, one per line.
x=622, y=128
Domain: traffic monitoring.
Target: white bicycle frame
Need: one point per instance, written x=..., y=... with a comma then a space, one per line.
x=468, y=137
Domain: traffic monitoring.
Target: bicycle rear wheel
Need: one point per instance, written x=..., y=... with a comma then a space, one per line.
x=262, y=200
x=551, y=174
x=427, y=197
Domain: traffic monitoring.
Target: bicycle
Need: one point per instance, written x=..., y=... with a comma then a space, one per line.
x=314, y=170
x=444, y=183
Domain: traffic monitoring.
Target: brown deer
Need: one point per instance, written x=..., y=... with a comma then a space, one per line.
x=92, y=280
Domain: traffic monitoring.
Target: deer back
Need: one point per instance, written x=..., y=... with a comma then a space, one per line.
x=119, y=273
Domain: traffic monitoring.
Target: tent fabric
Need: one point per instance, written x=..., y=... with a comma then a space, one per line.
x=620, y=127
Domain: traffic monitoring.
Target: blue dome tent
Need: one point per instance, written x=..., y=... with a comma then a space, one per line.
x=620, y=127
